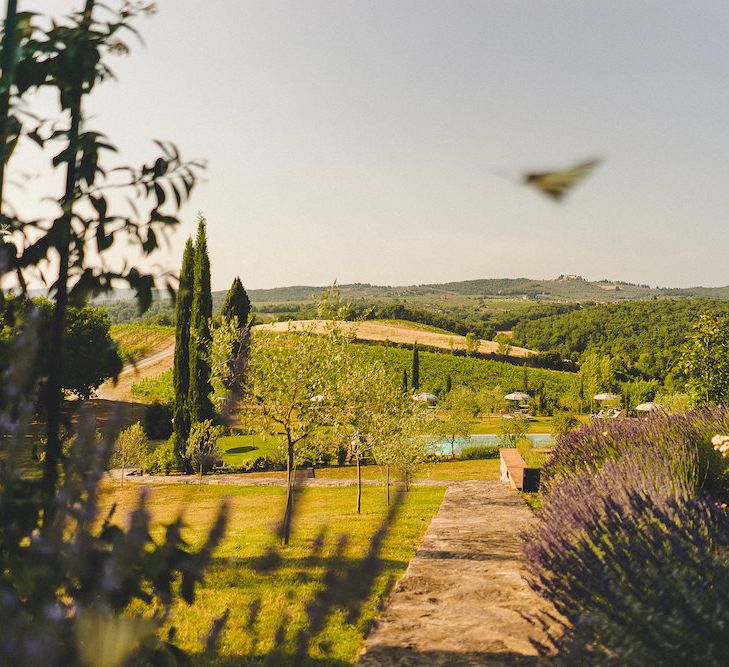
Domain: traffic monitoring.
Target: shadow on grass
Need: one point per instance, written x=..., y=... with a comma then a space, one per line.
x=241, y=450
x=271, y=659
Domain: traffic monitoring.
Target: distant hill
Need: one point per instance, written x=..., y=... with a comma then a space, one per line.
x=562, y=289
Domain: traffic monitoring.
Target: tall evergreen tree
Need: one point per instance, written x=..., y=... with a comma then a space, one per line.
x=181, y=417
x=237, y=303
x=416, y=369
x=202, y=310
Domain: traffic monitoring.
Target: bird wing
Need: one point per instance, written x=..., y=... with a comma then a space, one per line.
x=556, y=184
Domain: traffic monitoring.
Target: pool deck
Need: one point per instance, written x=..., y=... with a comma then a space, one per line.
x=463, y=599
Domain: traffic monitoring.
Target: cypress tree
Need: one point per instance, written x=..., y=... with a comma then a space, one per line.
x=237, y=304
x=415, y=375
x=404, y=381
x=202, y=310
x=181, y=415
x=449, y=384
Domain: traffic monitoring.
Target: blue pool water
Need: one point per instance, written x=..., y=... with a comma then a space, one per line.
x=444, y=446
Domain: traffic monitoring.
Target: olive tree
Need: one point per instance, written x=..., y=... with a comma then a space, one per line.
x=289, y=385
x=131, y=446
x=459, y=408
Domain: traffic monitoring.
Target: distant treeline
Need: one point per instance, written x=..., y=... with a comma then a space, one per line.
x=644, y=337
x=543, y=360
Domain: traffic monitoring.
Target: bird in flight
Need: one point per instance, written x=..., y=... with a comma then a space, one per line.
x=556, y=184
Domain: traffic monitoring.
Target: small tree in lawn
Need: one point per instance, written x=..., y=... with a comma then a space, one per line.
x=490, y=400
x=397, y=439
x=513, y=429
x=364, y=395
x=459, y=406
x=131, y=446
x=202, y=445
x=289, y=387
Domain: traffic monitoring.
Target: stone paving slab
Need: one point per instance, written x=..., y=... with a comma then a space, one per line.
x=462, y=597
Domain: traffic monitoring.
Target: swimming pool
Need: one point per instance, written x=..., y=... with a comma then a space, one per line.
x=444, y=446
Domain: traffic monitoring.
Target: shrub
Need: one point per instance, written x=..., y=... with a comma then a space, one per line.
x=634, y=563
x=479, y=452
x=672, y=436
x=161, y=460
x=157, y=421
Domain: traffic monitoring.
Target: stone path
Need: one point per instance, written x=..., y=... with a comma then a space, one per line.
x=462, y=597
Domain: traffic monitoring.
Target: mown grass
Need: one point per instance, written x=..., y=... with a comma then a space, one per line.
x=283, y=592
x=137, y=341
x=240, y=449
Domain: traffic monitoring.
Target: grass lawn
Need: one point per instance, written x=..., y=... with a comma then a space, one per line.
x=237, y=449
x=282, y=593
x=445, y=470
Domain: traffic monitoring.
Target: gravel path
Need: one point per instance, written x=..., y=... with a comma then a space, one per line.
x=462, y=599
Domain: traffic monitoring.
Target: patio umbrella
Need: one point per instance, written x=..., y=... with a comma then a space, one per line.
x=606, y=397
x=517, y=396
x=649, y=407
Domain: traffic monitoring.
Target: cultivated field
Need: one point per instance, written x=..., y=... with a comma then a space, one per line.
x=382, y=330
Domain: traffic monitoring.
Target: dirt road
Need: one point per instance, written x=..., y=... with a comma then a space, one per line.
x=148, y=367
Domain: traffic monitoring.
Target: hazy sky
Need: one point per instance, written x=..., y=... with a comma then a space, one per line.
x=359, y=140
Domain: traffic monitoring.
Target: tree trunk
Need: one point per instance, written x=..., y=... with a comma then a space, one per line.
x=286, y=527
x=122, y=475
x=54, y=394
x=199, y=483
x=359, y=486
x=453, y=447
x=388, y=486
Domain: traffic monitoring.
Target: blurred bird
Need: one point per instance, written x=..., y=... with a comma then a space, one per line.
x=556, y=184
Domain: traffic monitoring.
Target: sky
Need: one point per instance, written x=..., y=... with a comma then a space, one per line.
x=382, y=142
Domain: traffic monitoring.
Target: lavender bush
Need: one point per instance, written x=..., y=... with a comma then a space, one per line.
x=636, y=566
x=631, y=546
x=683, y=441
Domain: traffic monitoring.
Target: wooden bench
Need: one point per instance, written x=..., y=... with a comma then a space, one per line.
x=513, y=468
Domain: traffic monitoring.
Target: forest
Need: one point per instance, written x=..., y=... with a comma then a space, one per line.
x=643, y=337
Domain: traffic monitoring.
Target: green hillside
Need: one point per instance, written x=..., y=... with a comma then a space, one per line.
x=645, y=336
